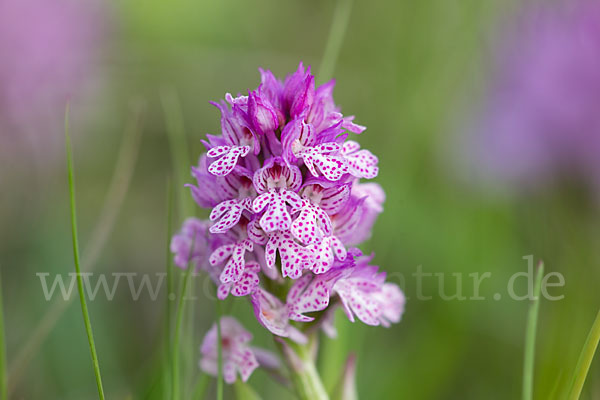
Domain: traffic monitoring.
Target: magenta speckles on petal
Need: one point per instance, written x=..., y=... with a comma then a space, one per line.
x=283, y=183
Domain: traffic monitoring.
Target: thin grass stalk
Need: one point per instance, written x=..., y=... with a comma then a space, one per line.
x=169, y=300
x=585, y=360
x=118, y=188
x=84, y=309
x=175, y=386
x=3, y=389
x=530, y=335
x=180, y=157
x=337, y=32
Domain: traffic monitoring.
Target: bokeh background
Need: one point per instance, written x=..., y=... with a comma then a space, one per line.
x=418, y=74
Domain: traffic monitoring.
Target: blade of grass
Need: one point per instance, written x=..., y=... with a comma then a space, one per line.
x=118, y=187
x=3, y=390
x=554, y=391
x=530, y=333
x=585, y=360
x=219, y=353
x=178, y=322
x=180, y=161
x=170, y=293
x=341, y=17
x=180, y=157
x=84, y=309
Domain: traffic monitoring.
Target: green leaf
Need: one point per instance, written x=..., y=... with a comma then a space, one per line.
x=585, y=360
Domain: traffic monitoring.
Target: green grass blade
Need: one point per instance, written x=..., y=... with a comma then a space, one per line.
x=585, y=360
x=554, y=392
x=219, y=353
x=180, y=157
x=84, y=309
x=169, y=299
x=3, y=386
x=530, y=333
x=175, y=381
x=118, y=188
x=341, y=17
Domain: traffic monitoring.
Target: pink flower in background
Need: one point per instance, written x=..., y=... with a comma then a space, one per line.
x=541, y=118
x=284, y=186
x=46, y=50
x=238, y=356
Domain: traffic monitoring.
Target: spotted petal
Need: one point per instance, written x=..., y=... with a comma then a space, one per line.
x=312, y=293
x=235, y=266
x=361, y=163
x=311, y=296
x=294, y=257
x=230, y=211
x=324, y=251
x=325, y=158
x=276, y=217
x=246, y=285
x=227, y=162
x=273, y=315
x=221, y=254
x=311, y=224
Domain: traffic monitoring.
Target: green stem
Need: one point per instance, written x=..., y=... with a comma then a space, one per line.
x=84, y=309
x=3, y=388
x=303, y=371
x=180, y=157
x=529, y=358
x=168, y=309
x=585, y=360
x=341, y=17
x=178, y=323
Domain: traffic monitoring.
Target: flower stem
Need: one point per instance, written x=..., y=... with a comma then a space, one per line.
x=303, y=371
x=168, y=306
x=84, y=309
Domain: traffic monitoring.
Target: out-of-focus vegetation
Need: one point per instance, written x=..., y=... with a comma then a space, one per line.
x=411, y=71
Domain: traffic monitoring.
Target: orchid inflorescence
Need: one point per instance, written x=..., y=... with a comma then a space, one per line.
x=283, y=183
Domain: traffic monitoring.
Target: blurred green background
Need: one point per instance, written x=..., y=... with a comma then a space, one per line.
x=410, y=71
